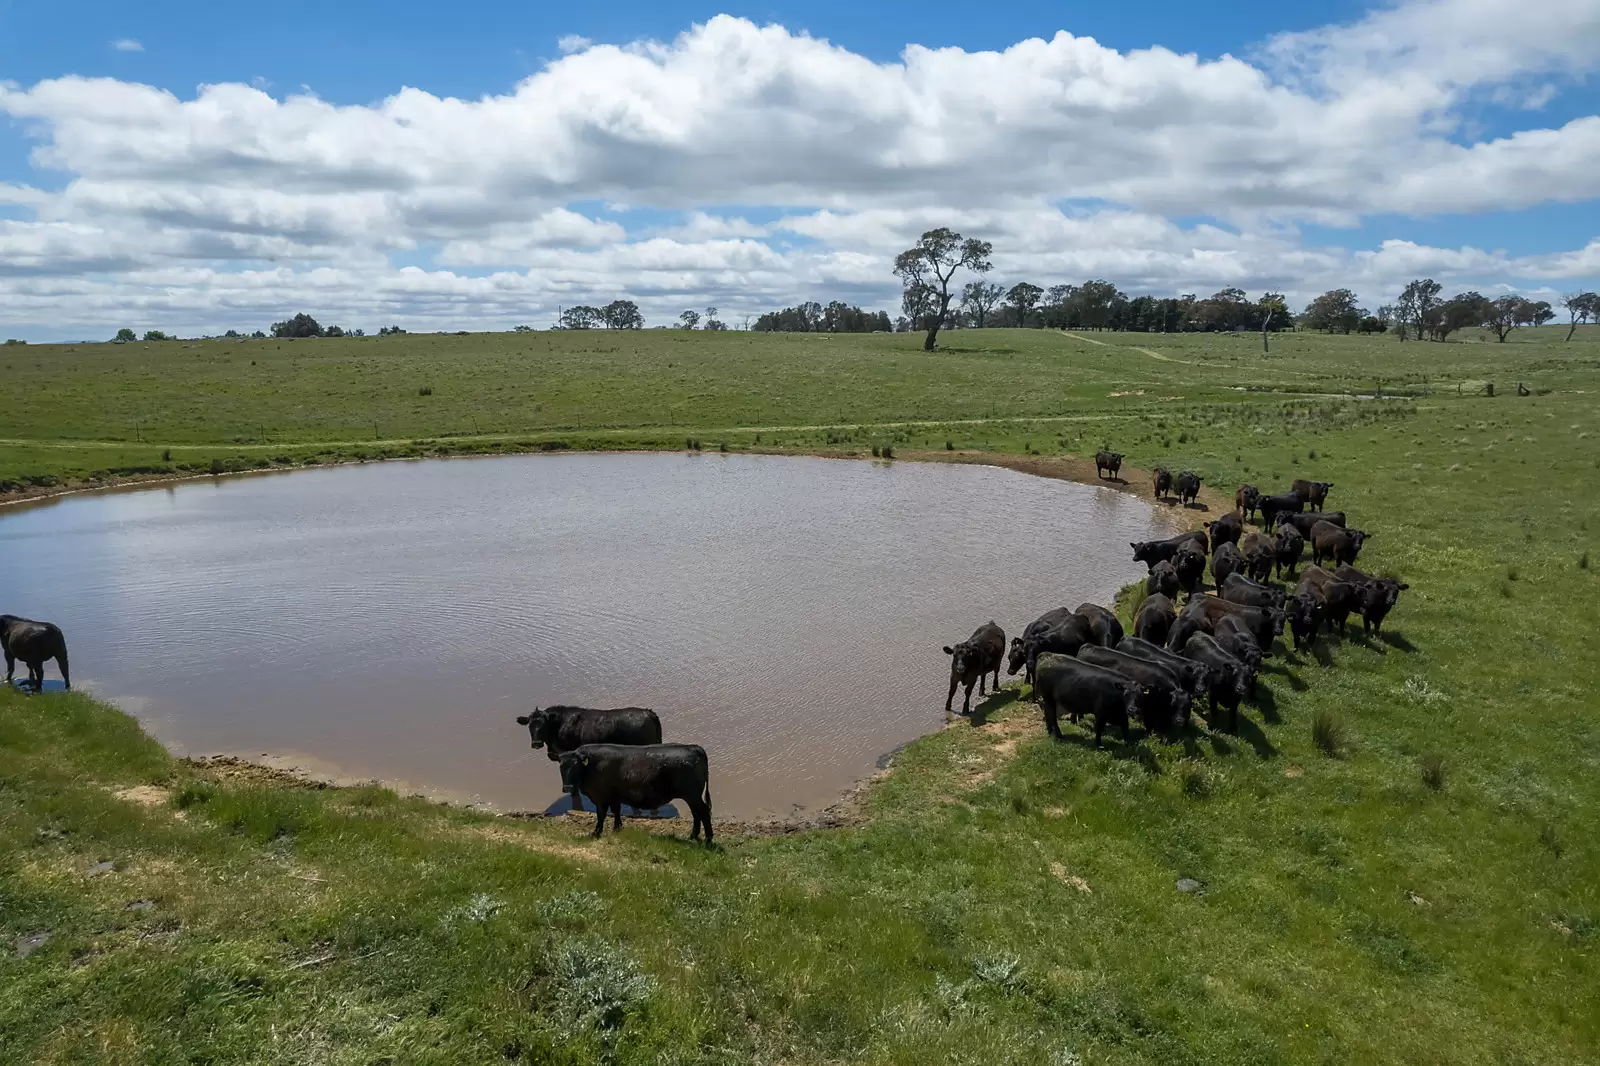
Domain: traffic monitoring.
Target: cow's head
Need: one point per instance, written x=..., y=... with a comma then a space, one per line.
x=964, y=659
x=1017, y=656
x=1116, y=458
x=1289, y=539
x=542, y=727
x=573, y=765
x=1302, y=612
x=1144, y=552
x=1358, y=537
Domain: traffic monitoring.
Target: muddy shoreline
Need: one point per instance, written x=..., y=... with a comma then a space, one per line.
x=847, y=809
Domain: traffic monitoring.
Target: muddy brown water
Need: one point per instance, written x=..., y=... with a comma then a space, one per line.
x=389, y=621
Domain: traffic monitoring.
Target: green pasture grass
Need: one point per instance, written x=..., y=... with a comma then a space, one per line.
x=1006, y=899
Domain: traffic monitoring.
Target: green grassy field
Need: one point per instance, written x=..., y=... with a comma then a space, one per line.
x=1004, y=898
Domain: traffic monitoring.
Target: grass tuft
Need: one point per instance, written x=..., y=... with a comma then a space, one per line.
x=1432, y=767
x=1328, y=732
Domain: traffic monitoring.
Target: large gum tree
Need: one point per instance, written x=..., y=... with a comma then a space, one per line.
x=932, y=262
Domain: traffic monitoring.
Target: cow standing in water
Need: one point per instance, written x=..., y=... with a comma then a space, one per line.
x=35, y=643
x=562, y=729
x=973, y=660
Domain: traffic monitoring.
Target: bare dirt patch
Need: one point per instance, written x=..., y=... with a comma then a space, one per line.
x=144, y=795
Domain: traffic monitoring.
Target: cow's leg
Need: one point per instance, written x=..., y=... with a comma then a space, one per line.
x=599, y=819
x=996, y=686
x=951, y=695
x=616, y=814
x=966, y=703
x=983, y=679
x=11, y=666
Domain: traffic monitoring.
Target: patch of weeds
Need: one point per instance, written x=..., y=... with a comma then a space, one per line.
x=949, y=446
x=166, y=455
x=888, y=451
x=1002, y=971
x=876, y=451
x=596, y=986
x=1196, y=782
x=1417, y=690
x=426, y=390
x=1583, y=561
x=480, y=908
x=193, y=795
x=577, y=905
x=1432, y=766
x=1328, y=732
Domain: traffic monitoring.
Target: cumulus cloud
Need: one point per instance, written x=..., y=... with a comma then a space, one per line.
x=573, y=42
x=127, y=44
x=1072, y=157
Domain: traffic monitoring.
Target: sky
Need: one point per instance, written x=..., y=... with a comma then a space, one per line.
x=198, y=167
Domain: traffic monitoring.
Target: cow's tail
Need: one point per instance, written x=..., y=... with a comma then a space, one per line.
x=61, y=656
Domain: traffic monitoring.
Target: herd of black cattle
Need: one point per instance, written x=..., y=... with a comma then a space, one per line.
x=1080, y=662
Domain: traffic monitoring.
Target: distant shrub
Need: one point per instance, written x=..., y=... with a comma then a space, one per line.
x=1583, y=561
x=949, y=446
x=723, y=447
x=888, y=451
x=875, y=452
x=426, y=390
x=216, y=466
x=166, y=455
x=1327, y=732
x=1312, y=454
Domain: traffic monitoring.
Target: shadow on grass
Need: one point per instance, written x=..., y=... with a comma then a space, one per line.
x=1267, y=704
x=1252, y=735
x=993, y=702
x=1319, y=652
x=1133, y=749
x=1398, y=642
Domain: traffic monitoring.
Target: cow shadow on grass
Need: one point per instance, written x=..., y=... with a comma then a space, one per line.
x=1223, y=743
x=1267, y=704
x=1319, y=651
x=566, y=804
x=995, y=701
x=1398, y=642
x=1135, y=749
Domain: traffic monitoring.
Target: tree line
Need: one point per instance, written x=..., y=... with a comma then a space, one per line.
x=928, y=270
x=813, y=317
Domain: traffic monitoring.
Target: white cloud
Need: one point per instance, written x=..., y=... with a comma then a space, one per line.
x=573, y=42
x=262, y=195
x=127, y=44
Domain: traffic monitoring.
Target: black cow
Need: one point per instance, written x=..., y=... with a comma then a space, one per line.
x=1260, y=553
x=1377, y=597
x=1063, y=638
x=1225, y=530
x=1287, y=549
x=1315, y=492
x=973, y=660
x=1153, y=620
x=1163, y=579
x=645, y=777
x=1229, y=677
x=562, y=729
x=1078, y=688
x=1335, y=599
x=1305, y=522
x=1195, y=676
x=35, y=643
x=1044, y=623
x=1272, y=506
x=1227, y=560
x=1188, y=487
x=1151, y=552
x=1305, y=617
x=1265, y=623
x=1241, y=590
x=1191, y=568
x=1102, y=623
x=1111, y=461
x=1161, y=482
x=1246, y=498
x=1335, y=543
x=1235, y=638
x=1163, y=699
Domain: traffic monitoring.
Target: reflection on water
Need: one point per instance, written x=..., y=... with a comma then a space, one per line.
x=394, y=619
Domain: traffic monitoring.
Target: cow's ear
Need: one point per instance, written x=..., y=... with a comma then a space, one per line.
x=948, y=650
x=522, y=719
